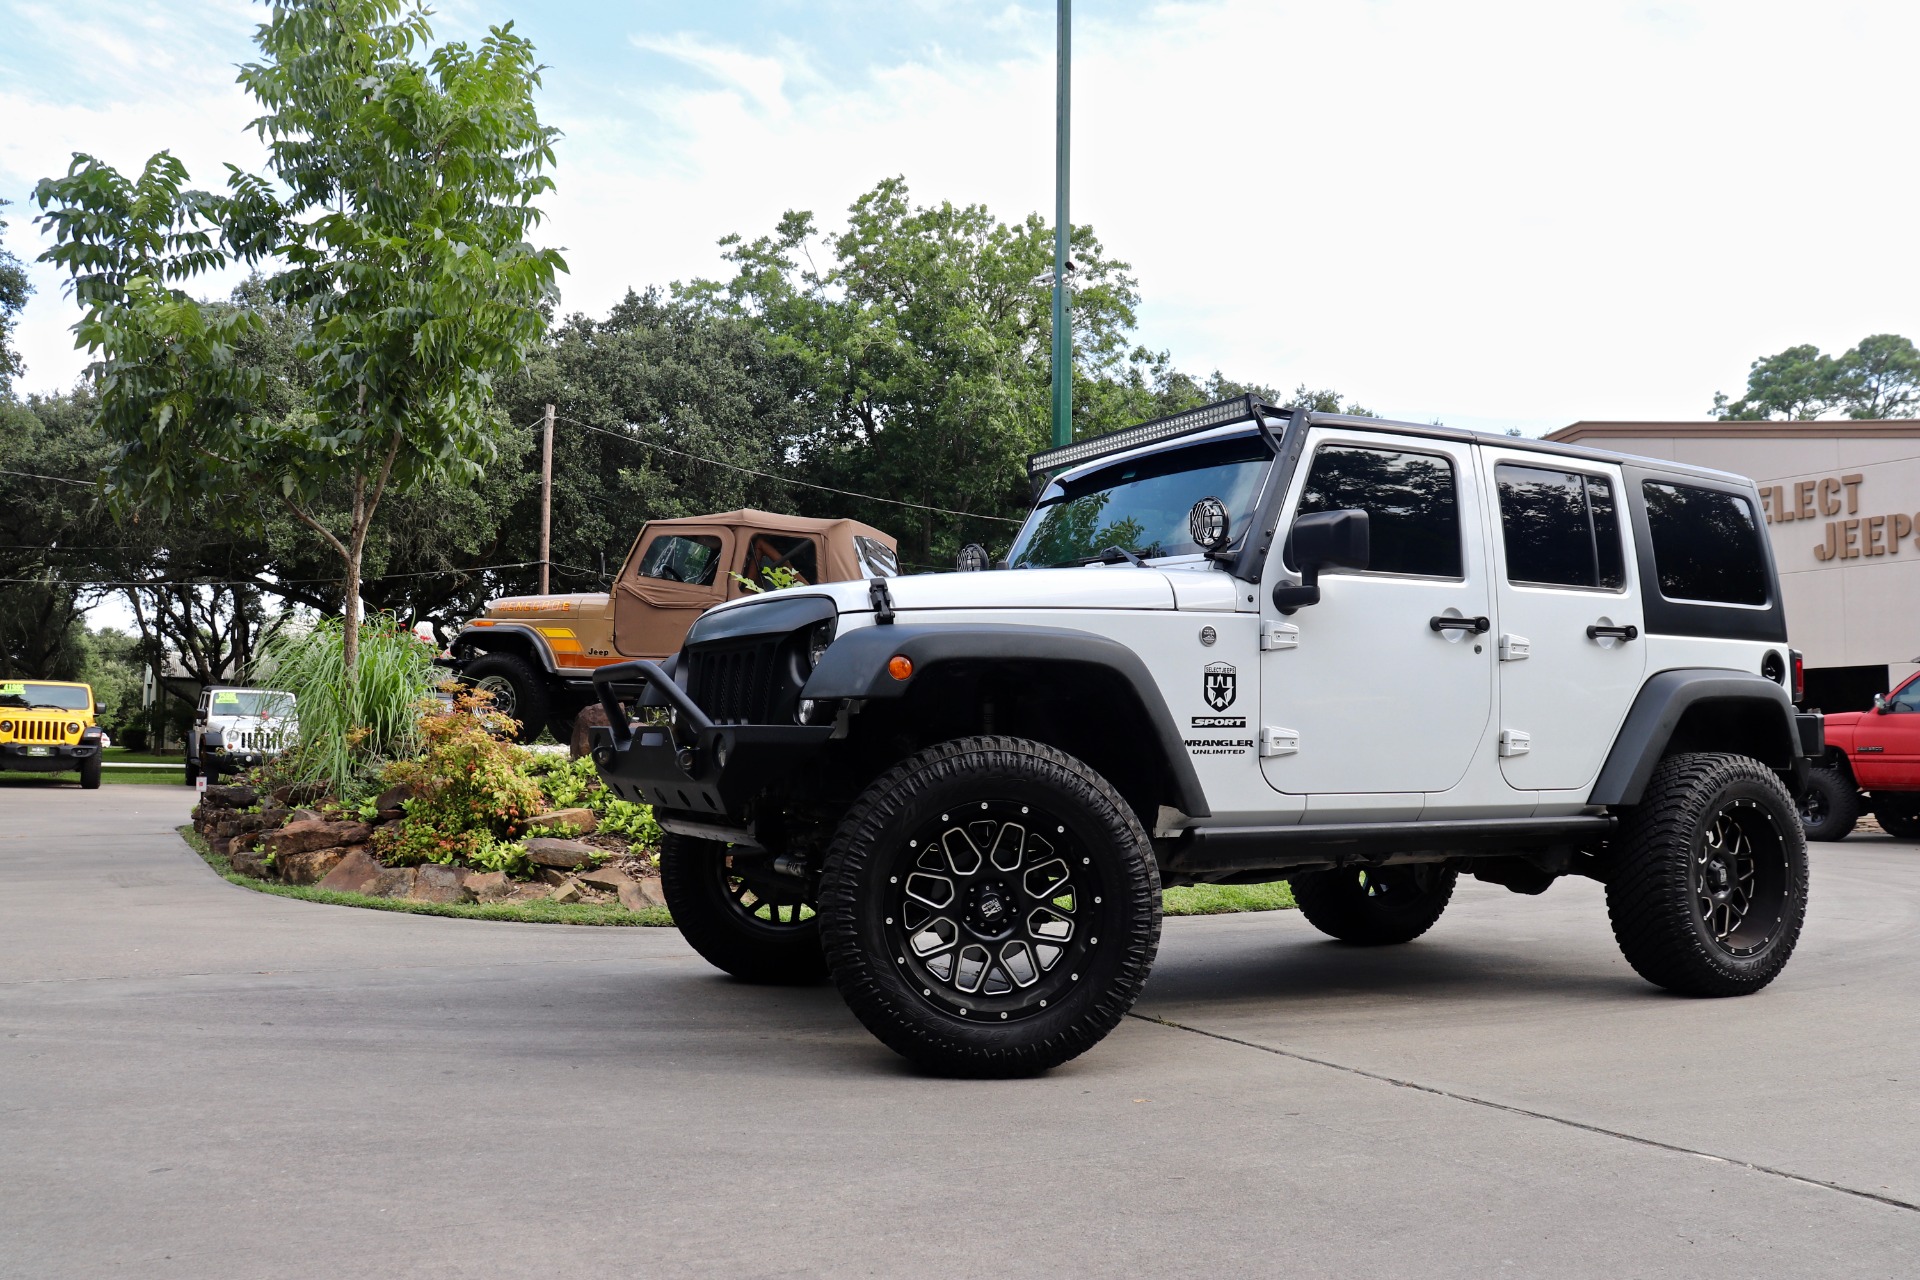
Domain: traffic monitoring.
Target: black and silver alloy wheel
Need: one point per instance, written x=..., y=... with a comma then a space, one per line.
x=1374, y=907
x=739, y=914
x=1707, y=876
x=1739, y=878
x=986, y=909
x=990, y=907
x=1830, y=806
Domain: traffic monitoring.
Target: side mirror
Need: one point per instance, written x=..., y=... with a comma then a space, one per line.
x=1323, y=540
x=1879, y=704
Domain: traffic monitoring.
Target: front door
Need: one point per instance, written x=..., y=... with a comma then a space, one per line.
x=667, y=583
x=1886, y=747
x=1561, y=568
x=1386, y=686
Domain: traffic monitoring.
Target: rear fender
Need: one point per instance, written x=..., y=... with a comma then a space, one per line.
x=1699, y=709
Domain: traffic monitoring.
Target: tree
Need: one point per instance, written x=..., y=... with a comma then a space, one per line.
x=1880, y=378
x=396, y=225
x=14, y=290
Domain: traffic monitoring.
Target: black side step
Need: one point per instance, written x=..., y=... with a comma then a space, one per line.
x=1211, y=850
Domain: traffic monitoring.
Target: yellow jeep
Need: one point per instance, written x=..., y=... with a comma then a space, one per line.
x=46, y=726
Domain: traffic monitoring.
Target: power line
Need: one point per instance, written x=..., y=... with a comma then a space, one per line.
x=285, y=582
x=767, y=475
x=84, y=484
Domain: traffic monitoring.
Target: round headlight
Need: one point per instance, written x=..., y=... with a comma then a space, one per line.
x=73, y=726
x=6, y=726
x=817, y=641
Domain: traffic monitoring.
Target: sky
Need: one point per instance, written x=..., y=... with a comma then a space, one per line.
x=1486, y=213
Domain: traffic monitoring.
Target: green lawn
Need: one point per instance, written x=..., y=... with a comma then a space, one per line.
x=111, y=777
x=1219, y=899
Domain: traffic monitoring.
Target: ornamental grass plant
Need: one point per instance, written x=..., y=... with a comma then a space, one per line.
x=351, y=724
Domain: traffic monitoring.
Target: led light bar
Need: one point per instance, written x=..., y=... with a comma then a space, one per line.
x=1207, y=416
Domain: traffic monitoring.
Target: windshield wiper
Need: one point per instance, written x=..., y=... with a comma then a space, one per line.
x=1115, y=555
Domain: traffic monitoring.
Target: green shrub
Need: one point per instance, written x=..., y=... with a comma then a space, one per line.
x=472, y=796
x=350, y=727
x=575, y=784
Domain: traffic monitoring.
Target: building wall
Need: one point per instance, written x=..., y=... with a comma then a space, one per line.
x=1842, y=504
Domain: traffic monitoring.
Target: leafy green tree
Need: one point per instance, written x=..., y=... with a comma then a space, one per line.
x=14, y=289
x=1880, y=378
x=396, y=224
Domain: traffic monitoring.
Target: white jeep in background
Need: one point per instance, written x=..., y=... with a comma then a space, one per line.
x=1238, y=645
x=236, y=728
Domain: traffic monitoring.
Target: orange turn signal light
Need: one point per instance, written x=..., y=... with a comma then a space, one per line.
x=899, y=666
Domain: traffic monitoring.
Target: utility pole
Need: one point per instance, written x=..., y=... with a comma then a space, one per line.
x=1062, y=237
x=546, y=499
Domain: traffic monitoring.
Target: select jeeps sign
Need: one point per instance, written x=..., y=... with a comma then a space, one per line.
x=1220, y=685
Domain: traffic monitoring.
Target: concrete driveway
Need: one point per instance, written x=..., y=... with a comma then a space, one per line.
x=201, y=1081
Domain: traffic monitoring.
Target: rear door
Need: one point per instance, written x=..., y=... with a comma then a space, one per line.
x=1562, y=566
x=672, y=577
x=1383, y=686
x=1886, y=747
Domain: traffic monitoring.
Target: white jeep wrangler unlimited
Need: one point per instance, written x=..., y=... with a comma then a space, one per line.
x=1237, y=645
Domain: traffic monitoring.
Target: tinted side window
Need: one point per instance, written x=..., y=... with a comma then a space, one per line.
x=1907, y=700
x=1706, y=545
x=677, y=558
x=1560, y=528
x=1413, y=509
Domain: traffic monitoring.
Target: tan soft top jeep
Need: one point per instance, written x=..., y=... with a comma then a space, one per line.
x=537, y=654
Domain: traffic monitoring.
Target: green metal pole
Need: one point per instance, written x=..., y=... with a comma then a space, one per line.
x=1062, y=235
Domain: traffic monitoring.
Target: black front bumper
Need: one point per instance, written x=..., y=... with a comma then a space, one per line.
x=62, y=757
x=696, y=766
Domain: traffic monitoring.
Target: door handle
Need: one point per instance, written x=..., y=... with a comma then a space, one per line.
x=1628, y=632
x=1476, y=625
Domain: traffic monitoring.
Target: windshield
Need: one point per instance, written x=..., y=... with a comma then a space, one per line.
x=29, y=695
x=1141, y=504
x=252, y=702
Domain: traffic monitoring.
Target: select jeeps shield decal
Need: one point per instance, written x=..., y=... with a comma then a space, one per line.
x=1220, y=685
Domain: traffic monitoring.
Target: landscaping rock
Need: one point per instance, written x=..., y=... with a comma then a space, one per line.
x=296, y=793
x=636, y=894
x=565, y=854
x=310, y=834
x=609, y=878
x=273, y=816
x=393, y=797
x=581, y=820
x=437, y=883
x=549, y=875
x=569, y=892
x=356, y=873
x=389, y=815
x=309, y=866
x=583, y=727
x=249, y=862
x=302, y=815
x=490, y=886
x=393, y=882
x=234, y=796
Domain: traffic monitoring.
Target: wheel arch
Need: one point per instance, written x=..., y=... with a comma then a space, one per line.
x=1079, y=692
x=515, y=638
x=1698, y=709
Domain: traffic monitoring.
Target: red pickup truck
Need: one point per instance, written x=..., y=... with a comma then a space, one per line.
x=1872, y=766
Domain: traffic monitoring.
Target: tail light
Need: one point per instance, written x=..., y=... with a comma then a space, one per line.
x=1798, y=663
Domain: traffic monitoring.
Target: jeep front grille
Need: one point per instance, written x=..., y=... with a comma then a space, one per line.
x=260, y=740
x=734, y=684
x=39, y=731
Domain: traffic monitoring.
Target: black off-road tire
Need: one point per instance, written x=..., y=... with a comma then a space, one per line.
x=90, y=772
x=192, y=773
x=1898, y=814
x=518, y=690
x=1831, y=805
x=769, y=940
x=1375, y=908
x=1067, y=872
x=1661, y=889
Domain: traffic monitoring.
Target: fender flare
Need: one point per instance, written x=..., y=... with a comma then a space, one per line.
x=855, y=666
x=473, y=635
x=1662, y=703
